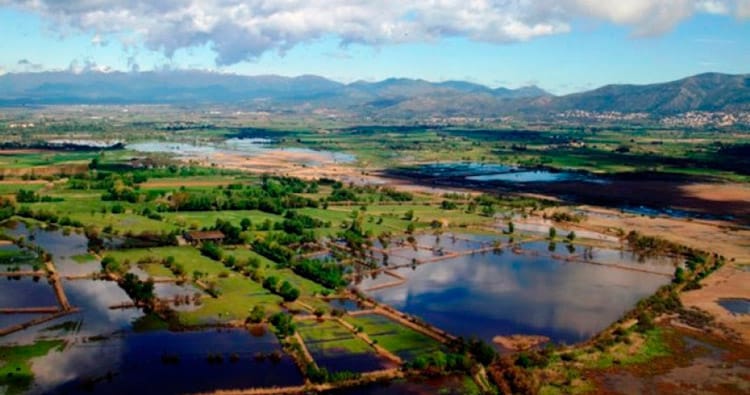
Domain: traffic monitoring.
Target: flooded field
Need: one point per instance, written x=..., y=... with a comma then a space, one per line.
x=104, y=354
x=538, y=288
x=489, y=173
x=335, y=348
x=26, y=292
x=250, y=147
x=61, y=245
x=166, y=362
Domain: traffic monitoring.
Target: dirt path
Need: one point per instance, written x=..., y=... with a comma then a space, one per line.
x=19, y=327
x=369, y=377
x=305, y=351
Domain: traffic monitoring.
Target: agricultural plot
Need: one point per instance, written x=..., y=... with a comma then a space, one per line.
x=237, y=296
x=337, y=349
x=398, y=339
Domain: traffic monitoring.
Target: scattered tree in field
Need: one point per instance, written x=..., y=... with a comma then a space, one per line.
x=257, y=314
x=288, y=292
x=552, y=233
x=488, y=210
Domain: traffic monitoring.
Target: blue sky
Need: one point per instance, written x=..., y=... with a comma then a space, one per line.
x=580, y=51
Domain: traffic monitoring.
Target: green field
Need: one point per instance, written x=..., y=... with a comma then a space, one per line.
x=330, y=338
x=396, y=338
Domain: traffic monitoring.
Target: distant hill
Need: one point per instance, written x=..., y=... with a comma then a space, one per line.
x=391, y=97
x=703, y=92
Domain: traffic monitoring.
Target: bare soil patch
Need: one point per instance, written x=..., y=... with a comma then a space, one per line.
x=699, y=364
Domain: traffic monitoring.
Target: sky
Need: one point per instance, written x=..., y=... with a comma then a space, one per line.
x=562, y=46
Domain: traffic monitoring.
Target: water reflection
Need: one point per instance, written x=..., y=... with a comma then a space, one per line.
x=165, y=362
x=489, y=295
x=236, y=146
x=62, y=245
x=26, y=292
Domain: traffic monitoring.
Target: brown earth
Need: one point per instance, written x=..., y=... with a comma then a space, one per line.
x=698, y=364
x=520, y=342
x=717, y=199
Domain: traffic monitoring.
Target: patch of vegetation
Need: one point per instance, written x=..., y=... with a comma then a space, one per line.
x=15, y=369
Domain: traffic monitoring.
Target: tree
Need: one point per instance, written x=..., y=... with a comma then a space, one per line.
x=679, y=276
x=270, y=283
x=511, y=228
x=257, y=314
x=288, y=292
x=571, y=236
x=488, y=210
x=410, y=228
x=552, y=233
x=283, y=323
x=211, y=250
x=409, y=215
x=245, y=224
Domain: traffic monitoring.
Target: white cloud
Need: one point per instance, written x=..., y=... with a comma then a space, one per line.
x=98, y=41
x=743, y=8
x=240, y=30
x=713, y=7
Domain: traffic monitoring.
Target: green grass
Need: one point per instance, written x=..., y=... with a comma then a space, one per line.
x=157, y=270
x=83, y=258
x=653, y=346
x=16, y=257
x=189, y=257
x=340, y=214
x=46, y=158
x=396, y=338
x=269, y=268
x=12, y=188
x=199, y=219
x=329, y=337
x=238, y=296
x=15, y=364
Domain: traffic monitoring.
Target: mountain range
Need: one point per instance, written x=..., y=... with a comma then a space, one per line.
x=390, y=97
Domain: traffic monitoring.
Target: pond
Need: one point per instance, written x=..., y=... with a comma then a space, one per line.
x=501, y=294
x=736, y=306
x=166, y=362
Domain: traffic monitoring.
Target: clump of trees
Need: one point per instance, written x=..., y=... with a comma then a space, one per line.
x=211, y=250
x=28, y=196
x=329, y=274
x=286, y=290
x=142, y=292
x=283, y=324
